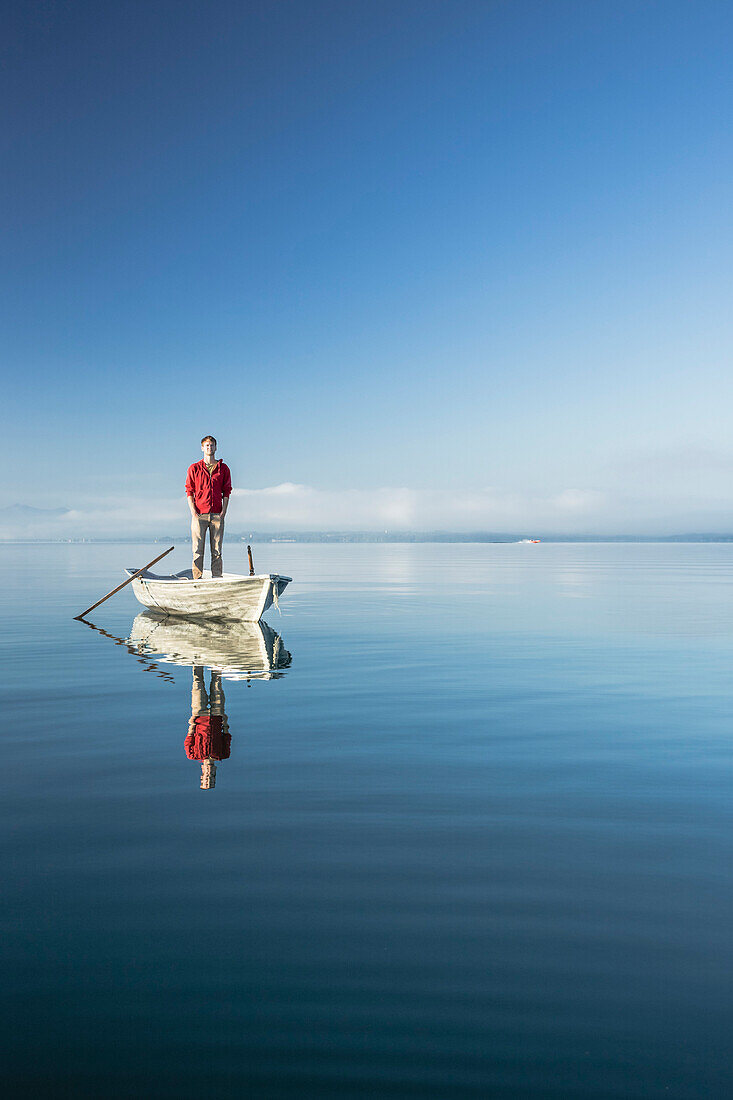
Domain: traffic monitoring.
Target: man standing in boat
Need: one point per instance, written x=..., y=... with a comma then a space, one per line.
x=208, y=488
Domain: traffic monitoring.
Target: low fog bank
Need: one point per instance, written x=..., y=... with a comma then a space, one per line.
x=304, y=511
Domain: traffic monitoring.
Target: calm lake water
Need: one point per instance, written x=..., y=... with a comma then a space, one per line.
x=469, y=833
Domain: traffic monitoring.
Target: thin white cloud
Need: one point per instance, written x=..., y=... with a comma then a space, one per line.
x=290, y=506
x=490, y=509
x=578, y=501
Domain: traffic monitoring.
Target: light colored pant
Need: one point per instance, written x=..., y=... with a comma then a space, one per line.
x=214, y=524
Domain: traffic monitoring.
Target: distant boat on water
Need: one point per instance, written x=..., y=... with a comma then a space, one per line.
x=528, y=540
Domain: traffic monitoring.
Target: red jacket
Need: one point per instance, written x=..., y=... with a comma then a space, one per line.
x=208, y=489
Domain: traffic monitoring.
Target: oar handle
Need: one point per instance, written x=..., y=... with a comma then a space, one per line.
x=128, y=581
x=251, y=563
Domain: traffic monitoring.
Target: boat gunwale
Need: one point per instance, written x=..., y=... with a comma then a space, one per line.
x=226, y=578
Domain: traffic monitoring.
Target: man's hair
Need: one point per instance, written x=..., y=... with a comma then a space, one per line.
x=208, y=437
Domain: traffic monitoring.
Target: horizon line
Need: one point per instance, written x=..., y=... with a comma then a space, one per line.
x=385, y=536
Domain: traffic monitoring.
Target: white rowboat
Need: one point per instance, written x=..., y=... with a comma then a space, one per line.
x=232, y=596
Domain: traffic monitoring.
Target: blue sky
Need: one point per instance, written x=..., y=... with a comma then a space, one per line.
x=435, y=264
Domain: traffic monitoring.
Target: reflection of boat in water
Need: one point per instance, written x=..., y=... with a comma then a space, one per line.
x=231, y=596
x=231, y=651
x=239, y=651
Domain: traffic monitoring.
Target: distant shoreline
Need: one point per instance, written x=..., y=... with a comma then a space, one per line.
x=356, y=537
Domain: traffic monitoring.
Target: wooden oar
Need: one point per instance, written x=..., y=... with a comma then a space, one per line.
x=119, y=586
x=251, y=563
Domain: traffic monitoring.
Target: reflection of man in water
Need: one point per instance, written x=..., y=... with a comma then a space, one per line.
x=208, y=738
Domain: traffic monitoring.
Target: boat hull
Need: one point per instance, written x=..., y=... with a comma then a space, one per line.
x=233, y=596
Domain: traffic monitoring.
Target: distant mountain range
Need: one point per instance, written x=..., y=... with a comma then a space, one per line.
x=25, y=511
x=32, y=531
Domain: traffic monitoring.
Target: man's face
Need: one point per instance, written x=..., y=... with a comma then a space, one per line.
x=209, y=450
